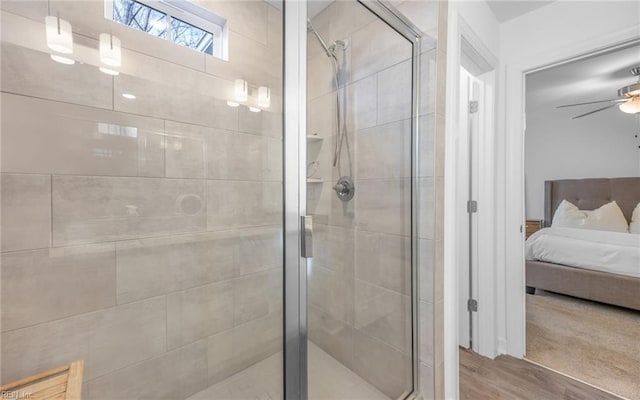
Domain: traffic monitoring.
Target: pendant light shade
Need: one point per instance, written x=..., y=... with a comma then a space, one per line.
x=241, y=92
x=62, y=60
x=264, y=96
x=59, y=35
x=632, y=106
x=110, y=50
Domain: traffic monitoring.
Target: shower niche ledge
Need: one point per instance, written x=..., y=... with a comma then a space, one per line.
x=314, y=138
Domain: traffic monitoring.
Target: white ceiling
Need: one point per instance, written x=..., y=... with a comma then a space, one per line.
x=505, y=10
x=590, y=79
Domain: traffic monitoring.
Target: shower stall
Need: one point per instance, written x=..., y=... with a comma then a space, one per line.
x=218, y=199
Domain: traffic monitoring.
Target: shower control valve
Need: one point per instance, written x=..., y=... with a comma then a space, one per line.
x=345, y=189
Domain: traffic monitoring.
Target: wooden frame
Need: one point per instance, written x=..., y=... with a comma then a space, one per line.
x=62, y=383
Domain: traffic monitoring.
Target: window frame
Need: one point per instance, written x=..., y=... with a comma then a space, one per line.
x=187, y=12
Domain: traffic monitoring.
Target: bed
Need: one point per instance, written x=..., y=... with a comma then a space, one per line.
x=600, y=283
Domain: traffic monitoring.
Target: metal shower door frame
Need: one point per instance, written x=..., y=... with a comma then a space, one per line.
x=295, y=329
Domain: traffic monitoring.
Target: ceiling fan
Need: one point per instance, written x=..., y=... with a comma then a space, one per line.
x=628, y=99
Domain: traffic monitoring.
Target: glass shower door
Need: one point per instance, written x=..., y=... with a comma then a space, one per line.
x=360, y=128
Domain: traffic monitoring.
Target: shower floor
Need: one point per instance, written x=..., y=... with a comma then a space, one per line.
x=328, y=380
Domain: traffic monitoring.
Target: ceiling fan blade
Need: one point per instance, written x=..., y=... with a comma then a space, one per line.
x=594, y=111
x=591, y=102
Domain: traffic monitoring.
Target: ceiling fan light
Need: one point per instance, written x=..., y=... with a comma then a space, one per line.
x=631, y=107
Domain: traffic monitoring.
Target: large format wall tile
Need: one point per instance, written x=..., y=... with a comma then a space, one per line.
x=332, y=335
x=363, y=108
x=383, y=314
x=250, y=60
x=95, y=209
x=235, y=156
x=151, y=267
x=426, y=161
x=200, y=312
x=383, y=260
x=372, y=41
x=332, y=292
x=257, y=295
x=107, y=340
x=71, y=139
x=382, y=366
x=426, y=223
x=171, y=101
x=394, y=93
x=185, y=150
x=384, y=206
x=428, y=83
x=334, y=248
x=232, y=204
x=60, y=283
x=247, y=18
x=173, y=375
x=33, y=73
x=384, y=151
x=26, y=211
x=236, y=349
x=425, y=312
x=426, y=270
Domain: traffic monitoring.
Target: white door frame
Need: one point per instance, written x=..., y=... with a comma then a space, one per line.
x=457, y=30
x=513, y=132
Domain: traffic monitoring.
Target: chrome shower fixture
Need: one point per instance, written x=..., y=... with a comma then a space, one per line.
x=327, y=49
x=344, y=187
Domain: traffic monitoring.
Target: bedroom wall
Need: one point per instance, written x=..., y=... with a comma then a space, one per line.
x=601, y=145
x=554, y=32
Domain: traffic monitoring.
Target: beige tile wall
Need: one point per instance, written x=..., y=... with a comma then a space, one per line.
x=140, y=235
x=360, y=281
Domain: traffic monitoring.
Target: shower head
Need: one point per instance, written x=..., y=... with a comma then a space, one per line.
x=310, y=29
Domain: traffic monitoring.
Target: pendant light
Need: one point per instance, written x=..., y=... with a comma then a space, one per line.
x=59, y=35
x=264, y=96
x=110, y=53
x=241, y=92
x=59, y=38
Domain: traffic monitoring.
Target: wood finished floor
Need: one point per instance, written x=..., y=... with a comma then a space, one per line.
x=593, y=342
x=509, y=378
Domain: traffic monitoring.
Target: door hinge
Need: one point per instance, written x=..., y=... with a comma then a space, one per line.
x=472, y=206
x=472, y=305
x=473, y=106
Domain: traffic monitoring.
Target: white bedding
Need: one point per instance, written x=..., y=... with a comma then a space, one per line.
x=613, y=252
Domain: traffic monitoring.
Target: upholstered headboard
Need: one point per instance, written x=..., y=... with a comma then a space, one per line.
x=589, y=194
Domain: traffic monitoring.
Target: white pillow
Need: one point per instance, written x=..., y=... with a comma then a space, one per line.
x=634, y=227
x=567, y=215
x=609, y=217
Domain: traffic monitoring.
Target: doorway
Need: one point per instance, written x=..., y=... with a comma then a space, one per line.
x=473, y=187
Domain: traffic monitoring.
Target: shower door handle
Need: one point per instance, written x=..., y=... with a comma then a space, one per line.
x=306, y=223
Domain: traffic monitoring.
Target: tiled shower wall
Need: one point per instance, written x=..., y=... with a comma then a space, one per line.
x=360, y=282
x=141, y=235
